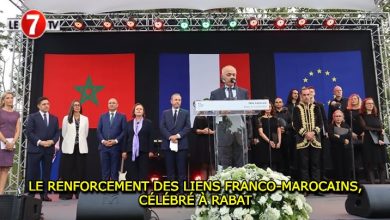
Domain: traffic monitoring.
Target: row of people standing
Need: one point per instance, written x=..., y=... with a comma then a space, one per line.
x=133, y=141
x=357, y=148
x=329, y=149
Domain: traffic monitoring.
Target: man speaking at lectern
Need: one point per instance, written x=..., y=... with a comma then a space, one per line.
x=230, y=149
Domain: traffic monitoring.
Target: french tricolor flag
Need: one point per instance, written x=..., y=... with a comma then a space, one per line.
x=194, y=76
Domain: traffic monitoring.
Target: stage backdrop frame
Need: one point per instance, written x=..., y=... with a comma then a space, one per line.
x=22, y=67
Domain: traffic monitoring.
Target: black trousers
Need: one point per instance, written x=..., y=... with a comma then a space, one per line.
x=73, y=166
x=231, y=155
x=310, y=163
x=139, y=168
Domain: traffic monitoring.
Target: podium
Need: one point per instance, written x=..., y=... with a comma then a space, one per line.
x=230, y=119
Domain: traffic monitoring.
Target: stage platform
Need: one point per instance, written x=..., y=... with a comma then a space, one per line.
x=331, y=206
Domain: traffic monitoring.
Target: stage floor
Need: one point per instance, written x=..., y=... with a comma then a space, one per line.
x=329, y=207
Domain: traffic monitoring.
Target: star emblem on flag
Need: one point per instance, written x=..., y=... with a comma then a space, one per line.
x=319, y=71
x=322, y=70
x=89, y=91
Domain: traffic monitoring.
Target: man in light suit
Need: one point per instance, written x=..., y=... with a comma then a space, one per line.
x=230, y=147
x=111, y=134
x=42, y=133
x=175, y=126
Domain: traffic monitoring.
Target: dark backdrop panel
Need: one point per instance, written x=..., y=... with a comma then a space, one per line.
x=148, y=45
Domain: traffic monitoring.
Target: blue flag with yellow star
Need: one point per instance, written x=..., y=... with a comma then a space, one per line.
x=323, y=70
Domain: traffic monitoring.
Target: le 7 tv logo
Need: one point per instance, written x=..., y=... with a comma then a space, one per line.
x=34, y=24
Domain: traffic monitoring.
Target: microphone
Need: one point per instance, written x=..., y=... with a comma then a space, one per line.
x=233, y=80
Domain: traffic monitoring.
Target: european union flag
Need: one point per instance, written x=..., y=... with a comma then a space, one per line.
x=323, y=70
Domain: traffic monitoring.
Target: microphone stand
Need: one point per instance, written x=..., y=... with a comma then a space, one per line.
x=352, y=147
x=269, y=143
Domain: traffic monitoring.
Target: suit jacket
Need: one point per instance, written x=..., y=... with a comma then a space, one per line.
x=220, y=94
x=117, y=130
x=225, y=136
x=181, y=127
x=69, y=135
x=145, y=136
x=36, y=130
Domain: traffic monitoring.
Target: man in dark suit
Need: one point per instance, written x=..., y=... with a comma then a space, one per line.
x=111, y=134
x=175, y=126
x=42, y=133
x=230, y=146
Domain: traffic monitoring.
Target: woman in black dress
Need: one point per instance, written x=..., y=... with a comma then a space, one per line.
x=340, y=137
x=270, y=138
x=293, y=100
x=374, y=154
x=352, y=115
x=204, y=142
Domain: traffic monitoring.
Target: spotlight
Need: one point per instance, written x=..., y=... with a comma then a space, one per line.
x=154, y=177
x=131, y=23
x=158, y=24
x=198, y=177
x=107, y=24
x=79, y=24
x=253, y=23
x=232, y=23
x=329, y=22
x=206, y=24
x=184, y=24
x=280, y=23
x=300, y=22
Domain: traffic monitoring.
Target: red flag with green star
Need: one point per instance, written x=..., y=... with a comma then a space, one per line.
x=92, y=79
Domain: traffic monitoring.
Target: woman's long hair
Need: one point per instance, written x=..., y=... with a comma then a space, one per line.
x=2, y=101
x=290, y=98
x=342, y=113
x=363, y=109
x=349, y=106
x=71, y=111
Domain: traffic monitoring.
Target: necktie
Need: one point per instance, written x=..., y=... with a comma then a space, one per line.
x=45, y=119
x=230, y=90
x=174, y=117
x=111, y=118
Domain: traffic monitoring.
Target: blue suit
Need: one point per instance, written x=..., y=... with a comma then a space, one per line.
x=38, y=156
x=168, y=128
x=110, y=156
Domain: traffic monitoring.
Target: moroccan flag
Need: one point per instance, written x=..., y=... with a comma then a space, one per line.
x=194, y=76
x=92, y=79
x=323, y=70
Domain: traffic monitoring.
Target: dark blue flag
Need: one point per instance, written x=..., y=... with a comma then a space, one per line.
x=323, y=70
